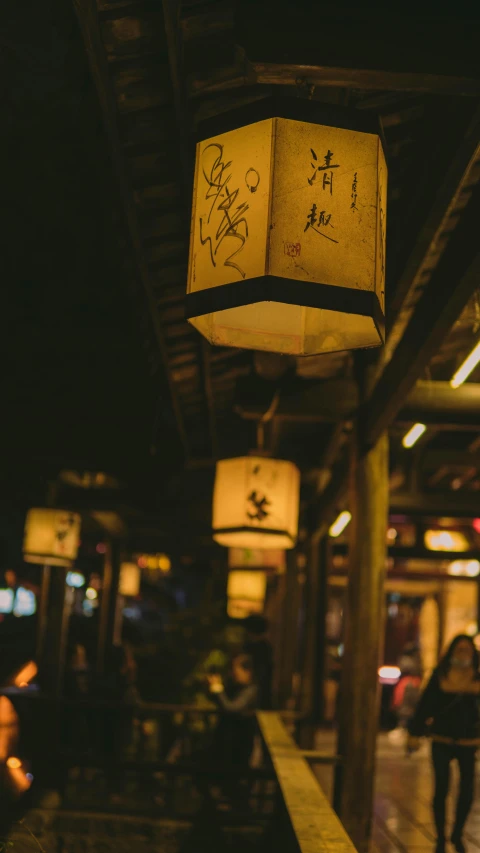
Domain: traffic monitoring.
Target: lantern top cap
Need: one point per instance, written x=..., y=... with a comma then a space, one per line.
x=296, y=109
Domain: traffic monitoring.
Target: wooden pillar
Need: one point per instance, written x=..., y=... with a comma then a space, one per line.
x=290, y=629
x=108, y=621
x=58, y=604
x=314, y=647
x=274, y=613
x=359, y=704
x=42, y=613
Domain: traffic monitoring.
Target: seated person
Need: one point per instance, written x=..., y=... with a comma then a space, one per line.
x=234, y=736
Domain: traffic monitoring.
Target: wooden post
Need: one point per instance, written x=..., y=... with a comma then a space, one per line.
x=54, y=641
x=314, y=646
x=359, y=705
x=108, y=621
x=290, y=629
x=42, y=613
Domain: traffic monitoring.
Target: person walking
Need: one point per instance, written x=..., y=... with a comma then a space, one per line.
x=448, y=712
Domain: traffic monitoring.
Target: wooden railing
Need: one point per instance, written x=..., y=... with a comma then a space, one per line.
x=307, y=822
x=167, y=776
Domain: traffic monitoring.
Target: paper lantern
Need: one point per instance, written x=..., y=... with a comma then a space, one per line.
x=445, y=540
x=129, y=579
x=52, y=537
x=246, y=593
x=272, y=561
x=287, y=246
x=255, y=503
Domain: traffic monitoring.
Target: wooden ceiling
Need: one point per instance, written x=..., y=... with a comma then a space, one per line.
x=156, y=69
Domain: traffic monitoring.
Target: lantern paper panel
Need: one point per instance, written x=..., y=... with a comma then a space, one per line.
x=287, y=249
x=52, y=537
x=255, y=503
x=246, y=593
x=129, y=584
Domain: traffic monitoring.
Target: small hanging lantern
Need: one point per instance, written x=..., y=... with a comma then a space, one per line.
x=52, y=537
x=246, y=593
x=272, y=562
x=129, y=579
x=255, y=503
x=287, y=247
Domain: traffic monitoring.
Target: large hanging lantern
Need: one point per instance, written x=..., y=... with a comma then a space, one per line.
x=255, y=503
x=287, y=247
x=52, y=537
x=246, y=593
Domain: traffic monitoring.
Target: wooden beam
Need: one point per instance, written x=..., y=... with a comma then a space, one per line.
x=430, y=460
x=291, y=74
x=449, y=289
x=439, y=403
x=330, y=400
x=357, y=48
x=432, y=403
x=453, y=192
x=416, y=552
x=87, y=16
x=455, y=504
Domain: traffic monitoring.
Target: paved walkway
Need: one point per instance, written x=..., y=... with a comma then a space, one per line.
x=403, y=819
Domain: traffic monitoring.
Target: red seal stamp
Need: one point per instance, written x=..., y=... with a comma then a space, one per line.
x=292, y=249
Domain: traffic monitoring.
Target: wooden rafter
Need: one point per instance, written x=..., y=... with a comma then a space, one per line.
x=439, y=307
x=452, y=196
x=87, y=15
x=294, y=74
x=172, y=17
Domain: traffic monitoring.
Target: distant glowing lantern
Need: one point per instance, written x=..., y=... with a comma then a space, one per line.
x=255, y=503
x=52, y=537
x=389, y=674
x=464, y=568
x=129, y=579
x=287, y=248
x=246, y=593
x=445, y=540
x=164, y=563
x=272, y=561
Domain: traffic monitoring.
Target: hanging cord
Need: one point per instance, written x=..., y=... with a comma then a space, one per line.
x=265, y=419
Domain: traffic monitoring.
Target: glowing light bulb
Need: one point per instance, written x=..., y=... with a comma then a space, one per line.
x=466, y=368
x=340, y=523
x=413, y=434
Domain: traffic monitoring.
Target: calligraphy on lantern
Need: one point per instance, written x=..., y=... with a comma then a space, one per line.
x=319, y=219
x=353, y=205
x=224, y=228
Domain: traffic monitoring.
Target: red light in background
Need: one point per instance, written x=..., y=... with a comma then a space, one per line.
x=142, y=562
x=476, y=525
x=101, y=548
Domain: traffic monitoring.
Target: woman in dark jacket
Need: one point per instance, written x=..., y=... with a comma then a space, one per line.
x=448, y=708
